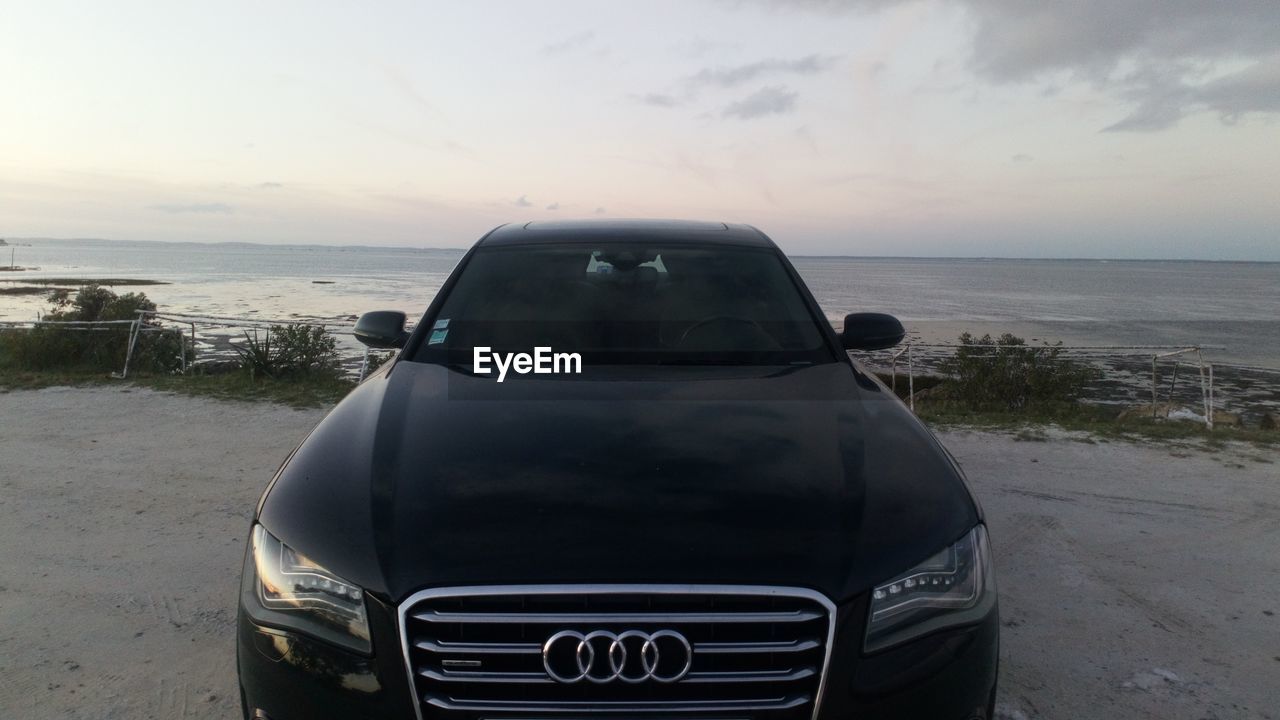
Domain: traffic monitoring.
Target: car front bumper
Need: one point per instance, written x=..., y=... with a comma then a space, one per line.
x=947, y=675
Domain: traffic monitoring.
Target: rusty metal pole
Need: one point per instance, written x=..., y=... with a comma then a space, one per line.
x=364, y=364
x=911, y=381
x=134, y=331
x=1153, y=387
x=1209, y=416
x=1205, y=402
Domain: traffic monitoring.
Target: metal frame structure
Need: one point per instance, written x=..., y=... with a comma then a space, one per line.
x=1163, y=351
x=182, y=323
x=606, y=589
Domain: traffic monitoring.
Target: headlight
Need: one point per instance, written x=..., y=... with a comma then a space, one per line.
x=954, y=587
x=291, y=590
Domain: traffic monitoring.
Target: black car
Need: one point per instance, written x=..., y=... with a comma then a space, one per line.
x=713, y=513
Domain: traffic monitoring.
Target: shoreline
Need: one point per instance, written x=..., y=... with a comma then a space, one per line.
x=1125, y=376
x=1126, y=381
x=1096, y=424
x=34, y=242
x=75, y=283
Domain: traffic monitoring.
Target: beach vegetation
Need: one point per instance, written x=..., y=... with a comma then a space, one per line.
x=1005, y=373
x=295, y=365
x=293, y=350
x=378, y=359
x=303, y=392
x=1003, y=384
x=50, y=345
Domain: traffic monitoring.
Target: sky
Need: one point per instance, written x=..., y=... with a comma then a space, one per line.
x=1011, y=128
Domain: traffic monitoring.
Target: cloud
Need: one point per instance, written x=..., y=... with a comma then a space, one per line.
x=600, y=211
x=522, y=201
x=700, y=46
x=1153, y=54
x=659, y=100
x=270, y=185
x=407, y=88
x=878, y=180
x=1253, y=89
x=1018, y=40
x=459, y=149
x=1161, y=100
x=805, y=135
x=206, y=208
x=573, y=42
x=554, y=206
x=1163, y=57
x=732, y=76
x=828, y=6
x=1022, y=158
x=727, y=77
x=773, y=100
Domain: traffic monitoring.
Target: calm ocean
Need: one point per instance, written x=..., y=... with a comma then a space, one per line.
x=1090, y=302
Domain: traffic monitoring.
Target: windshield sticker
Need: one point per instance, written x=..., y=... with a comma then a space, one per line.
x=441, y=324
x=437, y=337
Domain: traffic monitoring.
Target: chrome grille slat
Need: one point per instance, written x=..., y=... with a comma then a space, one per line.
x=565, y=618
x=468, y=676
x=757, y=652
x=781, y=703
x=746, y=677
x=478, y=648
x=765, y=647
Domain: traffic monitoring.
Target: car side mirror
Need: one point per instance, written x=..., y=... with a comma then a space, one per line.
x=871, y=331
x=382, y=329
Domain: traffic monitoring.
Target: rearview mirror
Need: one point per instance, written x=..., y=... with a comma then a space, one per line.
x=382, y=329
x=871, y=331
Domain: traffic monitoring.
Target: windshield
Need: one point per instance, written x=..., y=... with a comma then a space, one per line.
x=628, y=304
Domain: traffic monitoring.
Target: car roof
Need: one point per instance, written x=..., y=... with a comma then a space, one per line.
x=589, y=231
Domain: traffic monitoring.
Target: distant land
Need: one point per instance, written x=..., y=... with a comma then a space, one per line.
x=27, y=242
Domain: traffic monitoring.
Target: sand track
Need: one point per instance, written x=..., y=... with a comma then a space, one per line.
x=1134, y=583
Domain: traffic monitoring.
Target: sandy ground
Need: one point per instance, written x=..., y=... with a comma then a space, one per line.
x=1135, y=582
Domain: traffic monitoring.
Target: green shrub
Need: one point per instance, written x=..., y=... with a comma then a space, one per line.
x=256, y=356
x=38, y=348
x=377, y=360
x=102, y=348
x=289, y=351
x=1012, y=375
x=306, y=349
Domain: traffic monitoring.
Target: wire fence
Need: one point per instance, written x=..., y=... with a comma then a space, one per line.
x=186, y=326
x=912, y=359
x=915, y=358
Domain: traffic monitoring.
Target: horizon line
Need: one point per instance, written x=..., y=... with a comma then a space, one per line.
x=789, y=255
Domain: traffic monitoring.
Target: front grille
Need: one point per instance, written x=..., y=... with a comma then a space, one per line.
x=750, y=653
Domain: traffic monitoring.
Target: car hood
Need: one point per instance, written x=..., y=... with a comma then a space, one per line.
x=810, y=476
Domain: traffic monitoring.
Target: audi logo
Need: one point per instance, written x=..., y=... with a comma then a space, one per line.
x=633, y=656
